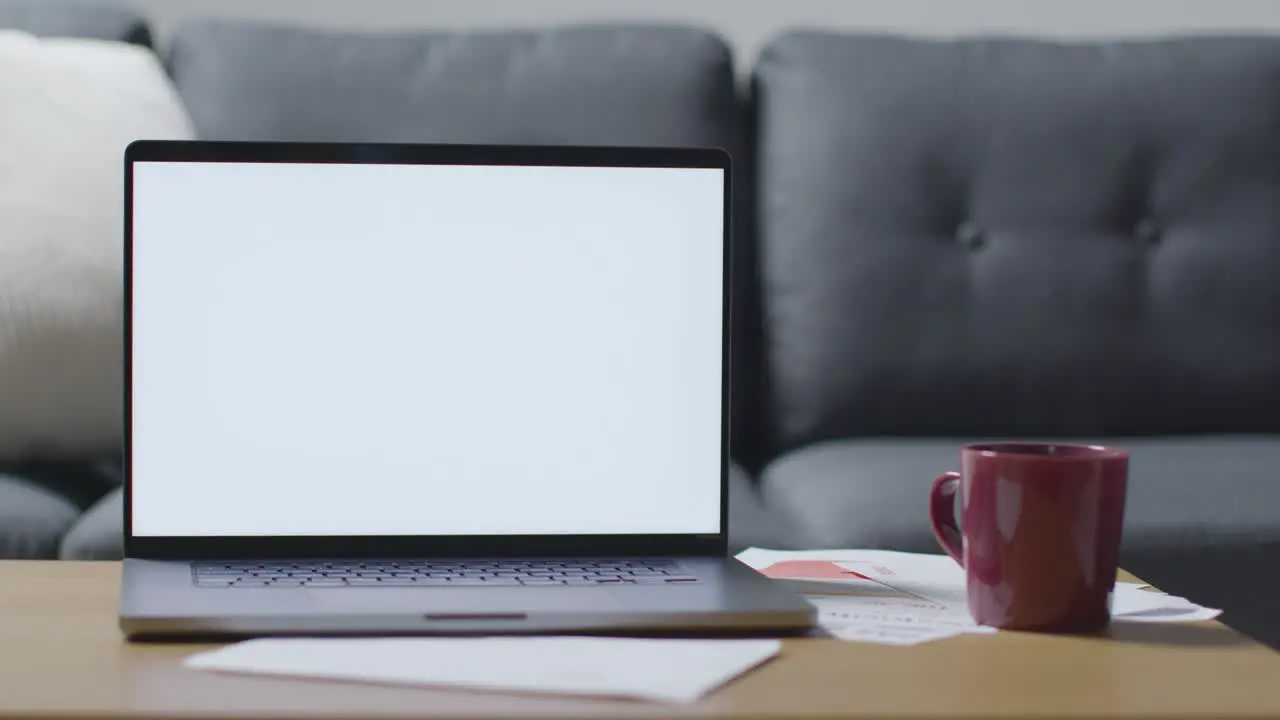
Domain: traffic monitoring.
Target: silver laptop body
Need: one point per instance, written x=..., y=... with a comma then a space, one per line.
x=429, y=389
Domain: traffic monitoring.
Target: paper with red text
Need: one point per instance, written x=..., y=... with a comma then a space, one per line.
x=853, y=606
x=898, y=598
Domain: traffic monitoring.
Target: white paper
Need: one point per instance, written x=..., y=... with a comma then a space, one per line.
x=1191, y=613
x=1129, y=598
x=891, y=620
x=1133, y=604
x=886, y=634
x=662, y=670
x=910, y=583
x=941, y=579
x=761, y=557
x=764, y=560
x=861, y=609
x=931, y=577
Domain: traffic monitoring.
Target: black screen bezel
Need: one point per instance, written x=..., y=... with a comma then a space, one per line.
x=197, y=547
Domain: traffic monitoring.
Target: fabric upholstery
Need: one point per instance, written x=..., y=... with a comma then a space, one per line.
x=39, y=501
x=588, y=85
x=32, y=519
x=99, y=533
x=64, y=18
x=999, y=237
x=751, y=522
x=1184, y=493
x=71, y=105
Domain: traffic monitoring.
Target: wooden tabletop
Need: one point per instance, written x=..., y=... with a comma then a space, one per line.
x=61, y=655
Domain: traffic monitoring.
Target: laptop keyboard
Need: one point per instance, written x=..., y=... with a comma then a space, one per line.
x=440, y=573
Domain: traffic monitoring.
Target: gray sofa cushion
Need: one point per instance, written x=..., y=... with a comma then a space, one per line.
x=33, y=517
x=1184, y=493
x=587, y=85
x=73, y=19
x=988, y=237
x=591, y=85
x=99, y=533
x=751, y=522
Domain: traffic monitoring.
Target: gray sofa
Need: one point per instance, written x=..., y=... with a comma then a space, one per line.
x=935, y=242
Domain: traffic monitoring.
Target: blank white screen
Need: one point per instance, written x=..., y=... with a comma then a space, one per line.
x=425, y=350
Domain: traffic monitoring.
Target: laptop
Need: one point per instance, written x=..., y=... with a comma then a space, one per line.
x=407, y=389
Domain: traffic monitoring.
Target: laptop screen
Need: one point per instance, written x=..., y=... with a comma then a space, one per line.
x=364, y=349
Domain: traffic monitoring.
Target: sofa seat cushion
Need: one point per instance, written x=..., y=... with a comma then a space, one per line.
x=39, y=501
x=1184, y=492
x=32, y=519
x=751, y=522
x=99, y=533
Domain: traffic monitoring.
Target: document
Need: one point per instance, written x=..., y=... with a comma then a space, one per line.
x=674, y=671
x=1133, y=603
x=940, y=579
x=890, y=620
x=897, y=598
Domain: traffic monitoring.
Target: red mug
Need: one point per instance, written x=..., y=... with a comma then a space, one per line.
x=1039, y=534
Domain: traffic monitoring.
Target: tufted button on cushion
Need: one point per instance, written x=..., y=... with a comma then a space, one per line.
x=971, y=236
x=876, y=324
x=1147, y=231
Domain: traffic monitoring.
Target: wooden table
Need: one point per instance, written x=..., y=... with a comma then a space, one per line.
x=61, y=655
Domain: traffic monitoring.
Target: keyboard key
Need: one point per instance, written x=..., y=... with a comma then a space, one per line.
x=226, y=582
x=326, y=582
x=480, y=582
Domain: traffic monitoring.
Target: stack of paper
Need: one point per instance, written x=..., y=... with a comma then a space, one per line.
x=662, y=670
x=899, y=598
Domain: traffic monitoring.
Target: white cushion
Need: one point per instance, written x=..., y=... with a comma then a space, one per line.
x=68, y=108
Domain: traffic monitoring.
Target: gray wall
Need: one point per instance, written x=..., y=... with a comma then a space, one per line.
x=748, y=23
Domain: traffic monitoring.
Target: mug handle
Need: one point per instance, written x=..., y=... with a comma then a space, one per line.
x=942, y=515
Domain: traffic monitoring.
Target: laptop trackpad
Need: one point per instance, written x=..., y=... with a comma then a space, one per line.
x=460, y=600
